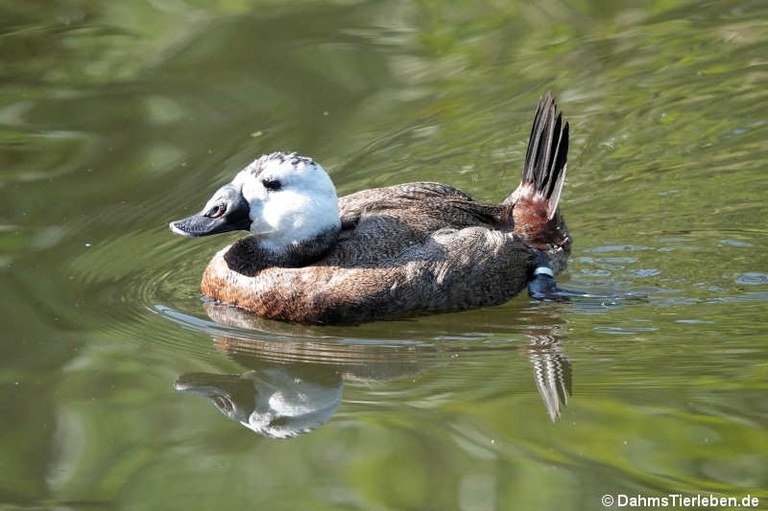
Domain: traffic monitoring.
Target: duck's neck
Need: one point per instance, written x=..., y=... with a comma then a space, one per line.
x=250, y=255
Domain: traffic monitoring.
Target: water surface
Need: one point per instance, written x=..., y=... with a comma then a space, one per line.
x=118, y=117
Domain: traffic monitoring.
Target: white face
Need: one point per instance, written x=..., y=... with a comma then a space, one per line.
x=291, y=199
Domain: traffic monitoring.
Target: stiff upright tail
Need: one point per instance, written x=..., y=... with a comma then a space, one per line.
x=546, y=158
x=534, y=203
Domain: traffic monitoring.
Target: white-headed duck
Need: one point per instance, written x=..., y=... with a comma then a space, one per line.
x=384, y=253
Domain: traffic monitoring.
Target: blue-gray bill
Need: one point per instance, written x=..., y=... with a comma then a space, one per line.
x=227, y=211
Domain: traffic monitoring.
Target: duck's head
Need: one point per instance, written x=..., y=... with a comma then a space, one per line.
x=282, y=198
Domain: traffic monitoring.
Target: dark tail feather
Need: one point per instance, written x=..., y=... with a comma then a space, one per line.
x=546, y=158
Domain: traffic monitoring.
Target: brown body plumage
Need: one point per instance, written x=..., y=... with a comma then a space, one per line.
x=409, y=249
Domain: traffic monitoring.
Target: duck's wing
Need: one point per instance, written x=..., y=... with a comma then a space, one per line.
x=380, y=223
x=415, y=200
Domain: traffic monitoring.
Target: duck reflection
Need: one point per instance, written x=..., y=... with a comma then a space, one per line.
x=291, y=388
x=277, y=402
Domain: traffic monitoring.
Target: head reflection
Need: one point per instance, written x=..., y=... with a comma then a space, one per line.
x=277, y=402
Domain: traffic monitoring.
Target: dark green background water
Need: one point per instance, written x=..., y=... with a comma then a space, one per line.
x=116, y=117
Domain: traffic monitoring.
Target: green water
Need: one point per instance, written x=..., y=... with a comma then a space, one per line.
x=117, y=117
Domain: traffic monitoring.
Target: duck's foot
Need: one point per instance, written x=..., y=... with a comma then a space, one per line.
x=544, y=287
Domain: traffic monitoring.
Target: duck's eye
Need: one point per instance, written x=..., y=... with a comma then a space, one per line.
x=216, y=211
x=272, y=185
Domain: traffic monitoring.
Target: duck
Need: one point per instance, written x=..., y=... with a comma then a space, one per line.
x=385, y=253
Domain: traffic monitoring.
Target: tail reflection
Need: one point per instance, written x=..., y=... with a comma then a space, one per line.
x=552, y=372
